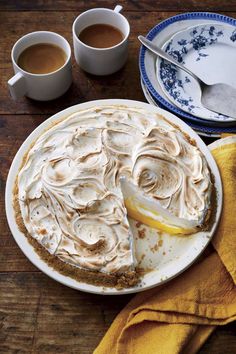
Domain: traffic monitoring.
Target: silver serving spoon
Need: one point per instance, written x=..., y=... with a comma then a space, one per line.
x=220, y=98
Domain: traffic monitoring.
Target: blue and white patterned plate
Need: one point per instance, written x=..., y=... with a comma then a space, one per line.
x=202, y=130
x=209, y=50
x=159, y=35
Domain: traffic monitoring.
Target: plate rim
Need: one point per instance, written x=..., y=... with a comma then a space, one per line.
x=193, y=126
x=29, y=251
x=185, y=31
x=199, y=127
x=158, y=29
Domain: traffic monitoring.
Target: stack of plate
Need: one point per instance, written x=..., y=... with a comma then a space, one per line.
x=206, y=44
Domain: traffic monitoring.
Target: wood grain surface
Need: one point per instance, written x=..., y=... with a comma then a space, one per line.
x=38, y=315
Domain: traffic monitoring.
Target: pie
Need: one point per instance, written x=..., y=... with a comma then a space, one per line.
x=83, y=175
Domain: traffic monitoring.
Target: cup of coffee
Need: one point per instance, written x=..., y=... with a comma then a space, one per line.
x=100, y=38
x=42, y=66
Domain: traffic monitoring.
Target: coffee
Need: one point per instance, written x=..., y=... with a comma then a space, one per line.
x=42, y=58
x=101, y=36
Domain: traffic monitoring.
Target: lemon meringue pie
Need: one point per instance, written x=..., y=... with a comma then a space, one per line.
x=85, y=175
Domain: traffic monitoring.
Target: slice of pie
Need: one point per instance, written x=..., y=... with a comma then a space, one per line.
x=82, y=176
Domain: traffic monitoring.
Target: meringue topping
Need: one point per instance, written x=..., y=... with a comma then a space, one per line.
x=69, y=187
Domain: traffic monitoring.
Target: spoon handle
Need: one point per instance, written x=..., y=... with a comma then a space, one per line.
x=166, y=56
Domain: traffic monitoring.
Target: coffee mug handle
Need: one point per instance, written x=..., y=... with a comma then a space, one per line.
x=118, y=8
x=17, y=86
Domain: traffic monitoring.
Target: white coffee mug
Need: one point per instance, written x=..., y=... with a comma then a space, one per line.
x=101, y=61
x=41, y=87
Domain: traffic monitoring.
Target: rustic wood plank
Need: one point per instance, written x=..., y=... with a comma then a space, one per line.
x=13, y=131
x=38, y=315
x=85, y=87
x=129, y=5
x=223, y=340
x=12, y=258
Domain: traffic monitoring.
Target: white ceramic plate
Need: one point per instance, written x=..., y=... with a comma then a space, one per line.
x=172, y=257
x=152, y=101
x=147, y=94
x=159, y=35
x=208, y=50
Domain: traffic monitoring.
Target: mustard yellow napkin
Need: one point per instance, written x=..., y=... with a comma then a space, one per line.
x=179, y=316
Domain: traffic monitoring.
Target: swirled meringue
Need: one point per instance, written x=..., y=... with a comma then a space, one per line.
x=69, y=187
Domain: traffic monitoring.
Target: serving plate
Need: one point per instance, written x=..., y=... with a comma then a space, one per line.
x=159, y=34
x=202, y=130
x=208, y=50
x=151, y=100
x=167, y=255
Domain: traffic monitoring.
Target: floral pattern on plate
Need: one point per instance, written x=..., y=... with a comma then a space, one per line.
x=203, y=49
x=159, y=34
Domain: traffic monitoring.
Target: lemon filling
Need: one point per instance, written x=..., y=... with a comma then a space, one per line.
x=151, y=213
x=151, y=218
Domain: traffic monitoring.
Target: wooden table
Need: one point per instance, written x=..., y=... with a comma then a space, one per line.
x=38, y=315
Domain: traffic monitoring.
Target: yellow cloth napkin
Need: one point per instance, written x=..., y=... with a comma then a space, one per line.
x=179, y=316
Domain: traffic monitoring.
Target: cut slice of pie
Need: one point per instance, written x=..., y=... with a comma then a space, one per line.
x=69, y=195
x=151, y=213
